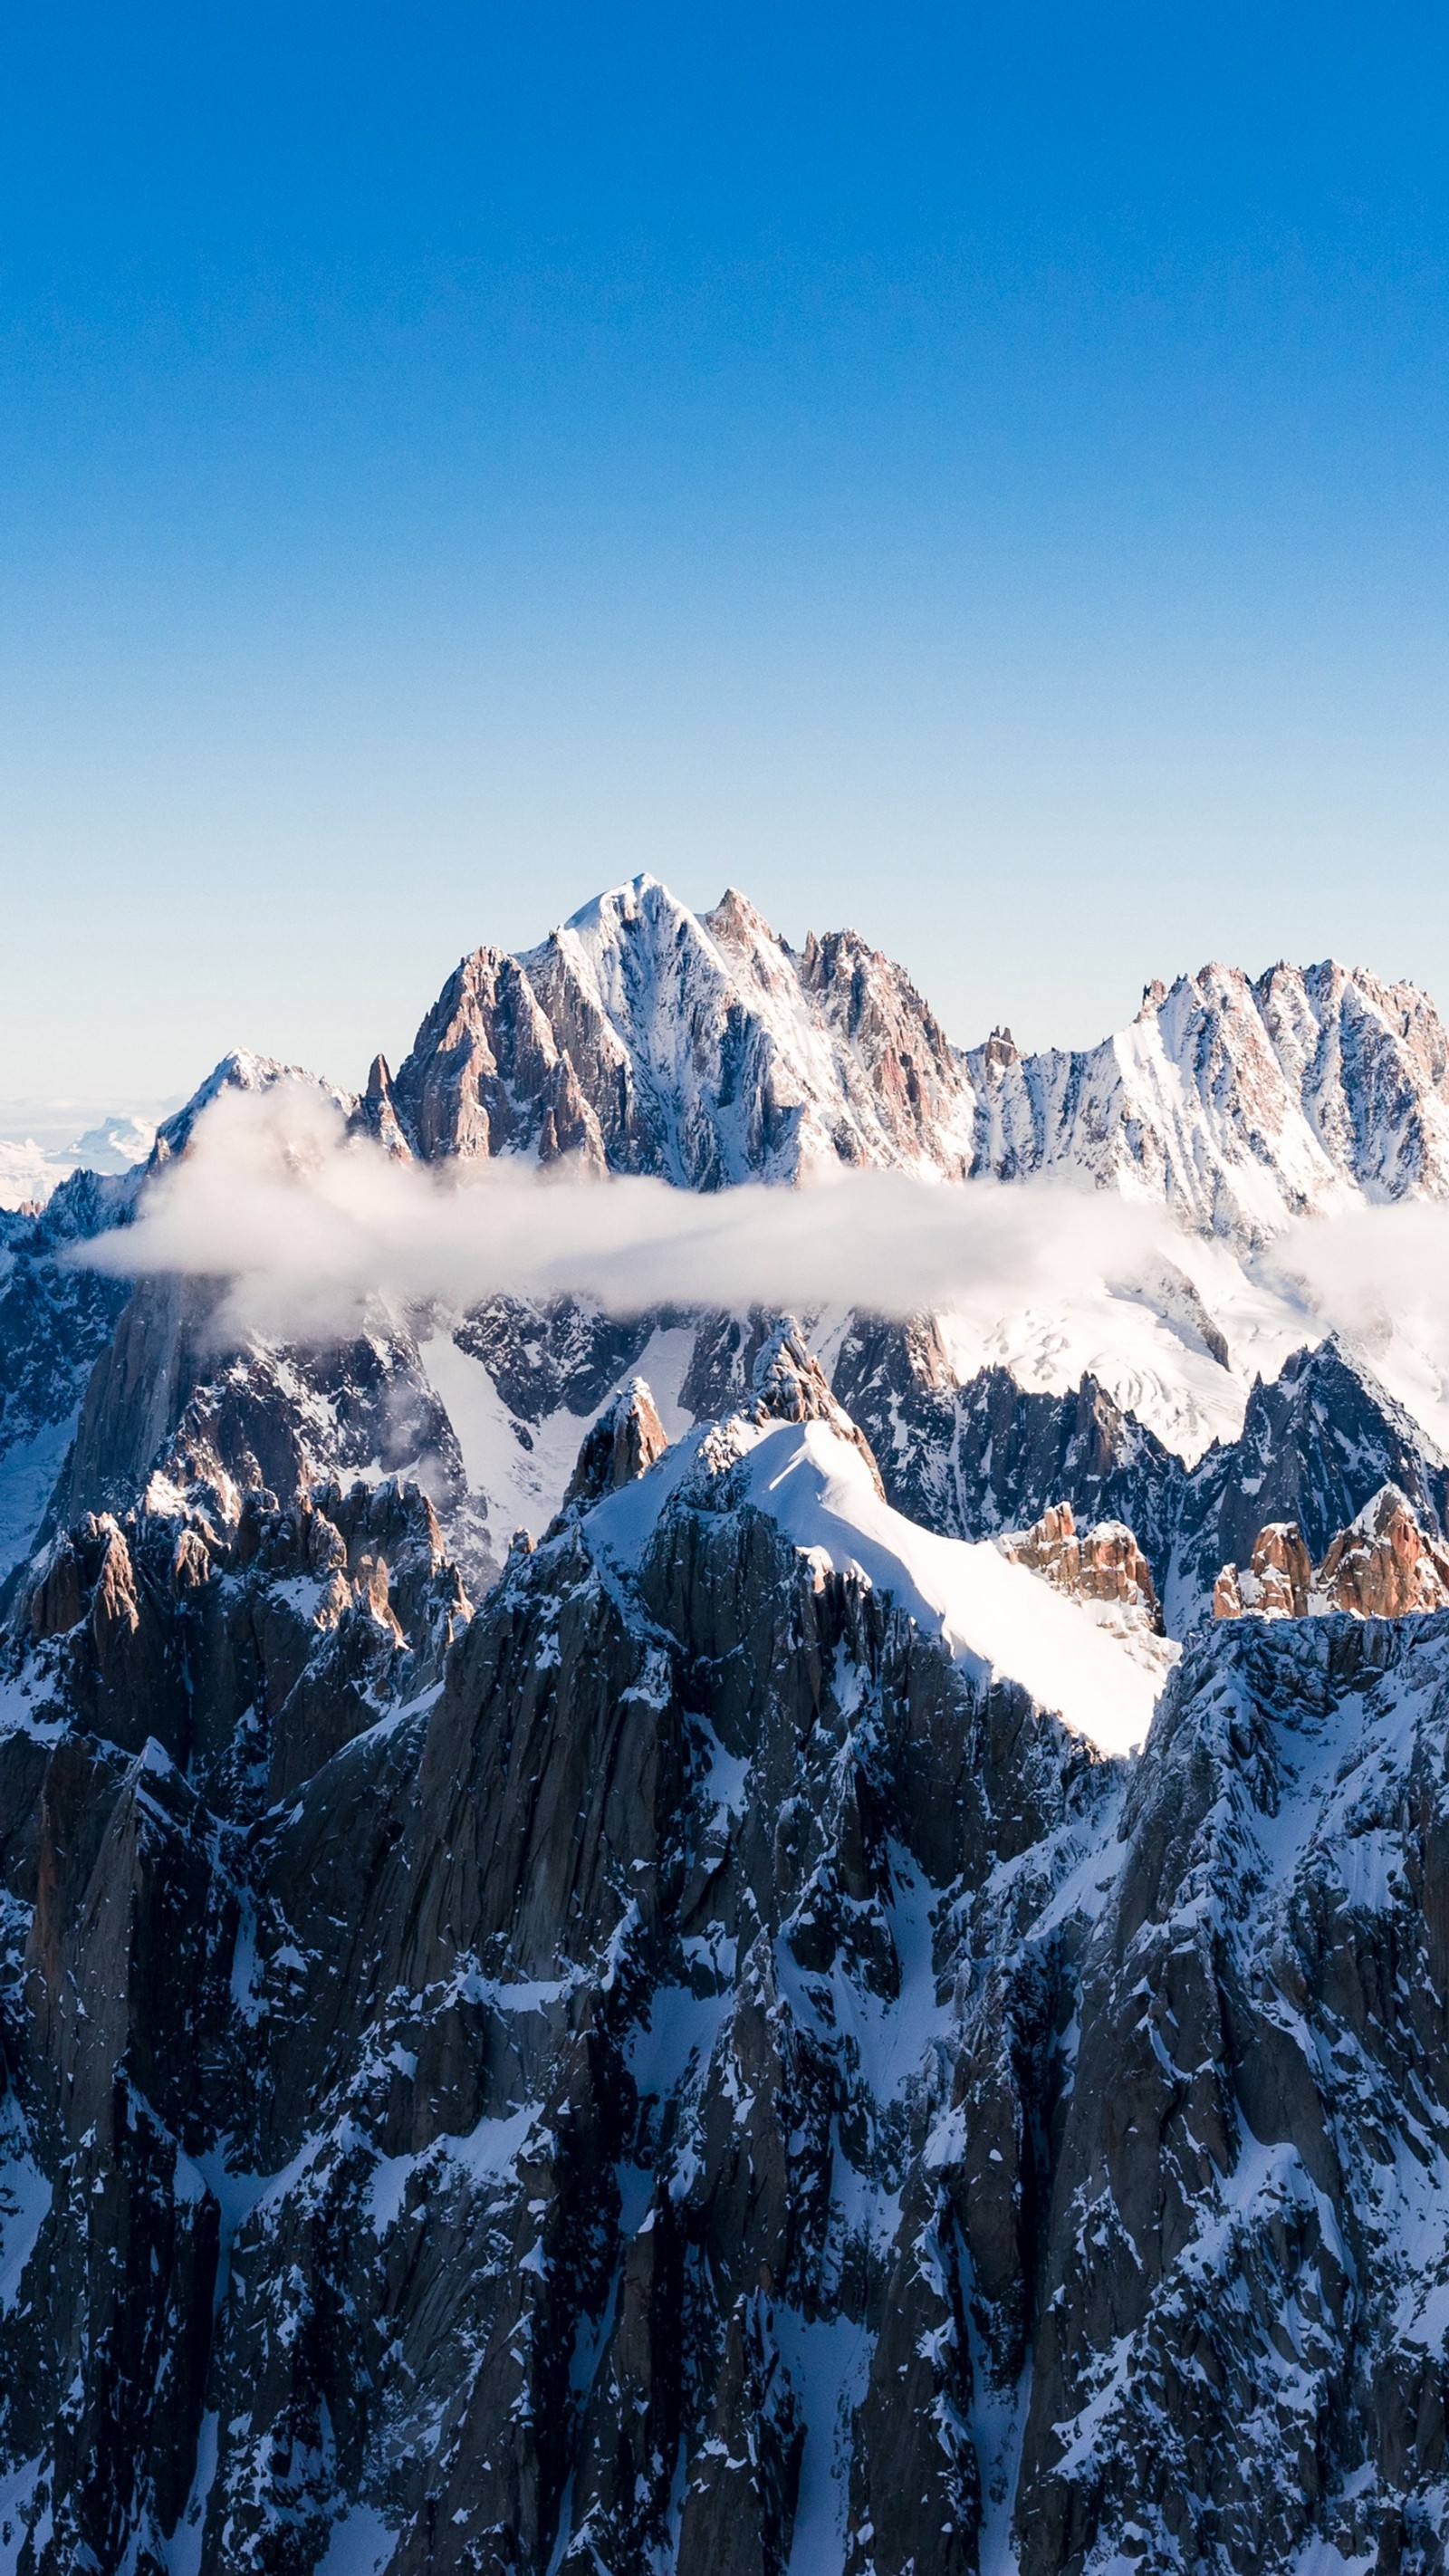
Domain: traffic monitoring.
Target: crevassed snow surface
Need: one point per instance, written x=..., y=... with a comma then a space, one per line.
x=998, y=1617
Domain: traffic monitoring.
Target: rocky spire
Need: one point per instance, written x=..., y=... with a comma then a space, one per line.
x=791, y=1386
x=1385, y=1565
x=622, y=1444
x=1101, y=1563
x=376, y=1112
x=1277, y=1582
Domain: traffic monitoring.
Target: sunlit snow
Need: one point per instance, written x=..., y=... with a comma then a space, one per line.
x=997, y=1616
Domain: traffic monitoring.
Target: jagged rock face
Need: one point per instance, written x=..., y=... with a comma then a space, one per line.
x=1312, y=1436
x=546, y=1358
x=1239, y=2361
x=1316, y=1447
x=1318, y=1444
x=1277, y=1584
x=54, y=1323
x=622, y=1444
x=558, y=2007
x=1239, y=1103
x=223, y=1618
x=640, y=1037
x=981, y=1459
x=58, y=1322
x=688, y=2077
x=1385, y=1565
x=645, y=1038
x=486, y=1075
x=988, y=1456
x=169, y=1396
x=1102, y=1563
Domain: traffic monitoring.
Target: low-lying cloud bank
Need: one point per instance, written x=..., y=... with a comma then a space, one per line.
x=303, y=1224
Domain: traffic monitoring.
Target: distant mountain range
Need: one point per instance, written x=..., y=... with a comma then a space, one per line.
x=680, y=1941
x=31, y=1169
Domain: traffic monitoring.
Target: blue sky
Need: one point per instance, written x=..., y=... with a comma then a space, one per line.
x=975, y=473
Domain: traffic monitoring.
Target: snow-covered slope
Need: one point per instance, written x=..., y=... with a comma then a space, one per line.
x=1003, y=1622
x=653, y=1039
x=1239, y=1103
x=31, y=1172
x=702, y=1046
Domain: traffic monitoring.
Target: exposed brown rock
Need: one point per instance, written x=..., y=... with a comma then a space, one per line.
x=1276, y=1585
x=622, y=1444
x=376, y=1112
x=1227, y=1595
x=1102, y=1563
x=55, y=1603
x=1385, y=1565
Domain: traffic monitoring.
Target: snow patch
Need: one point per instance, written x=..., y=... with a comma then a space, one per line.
x=361, y=2544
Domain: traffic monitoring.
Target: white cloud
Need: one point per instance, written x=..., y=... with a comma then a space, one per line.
x=305, y=1223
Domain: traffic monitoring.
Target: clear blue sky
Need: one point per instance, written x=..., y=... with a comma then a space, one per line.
x=976, y=472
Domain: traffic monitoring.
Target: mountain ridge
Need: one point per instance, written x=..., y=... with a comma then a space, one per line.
x=1241, y=1102
x=680, y=2039
x=686, y=2068
x=639, y=1036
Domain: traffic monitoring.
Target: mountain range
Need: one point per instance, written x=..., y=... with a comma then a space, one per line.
x=678, y=1940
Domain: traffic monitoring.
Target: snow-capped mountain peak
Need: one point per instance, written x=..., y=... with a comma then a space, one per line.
x=645, y=1037
x=1241, y=1103
x=648, y=1038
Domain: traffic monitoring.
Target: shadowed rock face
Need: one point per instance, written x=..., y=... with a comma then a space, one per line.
x=1231, y=2242
x=673, y=2072
x=54, y=1323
